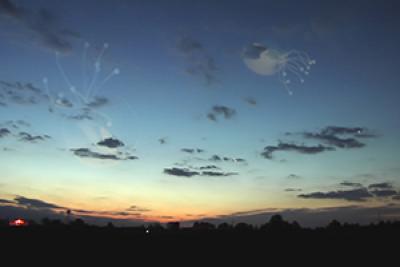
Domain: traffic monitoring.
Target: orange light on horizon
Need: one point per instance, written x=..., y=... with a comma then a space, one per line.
x=18, y=223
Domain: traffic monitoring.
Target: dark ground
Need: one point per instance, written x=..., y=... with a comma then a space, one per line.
x=205, y=243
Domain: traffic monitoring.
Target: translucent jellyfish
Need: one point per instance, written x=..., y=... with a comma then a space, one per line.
x=290, y=67
x=78, y=101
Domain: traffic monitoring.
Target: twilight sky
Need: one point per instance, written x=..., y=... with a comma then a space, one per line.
x=138, y=111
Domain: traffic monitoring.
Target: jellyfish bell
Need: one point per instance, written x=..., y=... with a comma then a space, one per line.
x=268, y=62
x=289, y=66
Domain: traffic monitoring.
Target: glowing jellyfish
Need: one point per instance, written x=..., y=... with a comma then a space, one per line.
x=290, y=67
x=77, y=103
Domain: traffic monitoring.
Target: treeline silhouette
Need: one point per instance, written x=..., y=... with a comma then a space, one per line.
x=203, y=237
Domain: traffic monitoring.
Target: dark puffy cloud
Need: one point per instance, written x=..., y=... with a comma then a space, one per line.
x=331, y=136
x=6, y=201
x=293, y=189
x=184, y=172
x=209, y=167
x=111, y=143
x=87, y=153
x=41, y=24
x=80, y=116
x=384, y=193
x=303, y=149
x=27, y=137
x=213, y=173
x=250, y=101
x=341, y=137
x=63, y=102
x=35, y=203
x=335, y=141
x=98, y=101
x=135, y=208
x=188, y=172
x=21, y=93
x=217, y=158
x=381, y=186
x=350, y=184
x=192, y=150
x=339, y=130
x=199, y=62
x=4, y=132
x=162, y=140
x=218, y=111
x=359, y=194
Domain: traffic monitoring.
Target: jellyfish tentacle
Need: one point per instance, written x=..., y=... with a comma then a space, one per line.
x=46, y=86
x=284, y=82
x=97, y=66
x=296, y=73
x=300, y=54
x=84, y=64
x=297, y=65
x=114, y=72
x=66, y=79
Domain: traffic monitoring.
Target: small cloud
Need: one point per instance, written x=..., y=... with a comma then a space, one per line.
x=35, y=203
x=162, y=140
x=110, y=143
x=87, y=153
x=335, y=141
x=303, y=149
x=20, y=93
x=213, y=173
x=293, y=176
x=80, y=116
x=199, y=62
x=251, y=101
x=98, y=102
x=27, y=137
x=135, y=208
x=341, y=137
x=184, y=172
x=6, y=201
x=218, y=111
x=381, y=186
x=192, y=150
x=384, y=193
x=209, y=167
x=293, y=190
x=359, y=194
x=215, y=158
x=212, y=117
x=63, y=102
x=4, y=132
x=350, y=184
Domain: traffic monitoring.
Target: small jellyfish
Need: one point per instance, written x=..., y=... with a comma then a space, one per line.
x=290, y=67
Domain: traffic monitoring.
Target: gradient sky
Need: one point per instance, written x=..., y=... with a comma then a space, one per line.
x=184, y=129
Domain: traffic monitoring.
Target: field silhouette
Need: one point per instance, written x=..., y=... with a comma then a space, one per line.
x=205, y=240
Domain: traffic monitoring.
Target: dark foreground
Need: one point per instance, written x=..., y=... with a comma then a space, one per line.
x=205, y=242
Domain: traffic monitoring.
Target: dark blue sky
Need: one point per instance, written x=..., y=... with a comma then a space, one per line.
x=194, y=109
